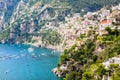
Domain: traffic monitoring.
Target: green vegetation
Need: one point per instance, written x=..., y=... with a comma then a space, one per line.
x=4, y=34
x=86, y=63
x=51, y=37
x=88, y=5
x=57, y=10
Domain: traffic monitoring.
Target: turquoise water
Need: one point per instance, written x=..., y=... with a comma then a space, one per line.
x=21, y=62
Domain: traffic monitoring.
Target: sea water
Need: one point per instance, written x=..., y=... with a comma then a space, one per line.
x=25, y=62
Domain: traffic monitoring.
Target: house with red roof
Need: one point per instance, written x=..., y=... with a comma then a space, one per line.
x=105, y=23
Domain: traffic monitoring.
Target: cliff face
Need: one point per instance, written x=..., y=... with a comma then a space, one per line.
x=28, y=21
x=21, y=20
x=6, y=11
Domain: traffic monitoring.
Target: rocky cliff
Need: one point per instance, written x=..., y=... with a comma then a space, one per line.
x=6, y=11
x=37, y=21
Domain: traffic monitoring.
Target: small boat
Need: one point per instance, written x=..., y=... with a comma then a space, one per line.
x=30, y=49
x=17, y=57
x=34, y=56
x=39, y=55
x=43, y=54
x=22, y=55
x=6, y=72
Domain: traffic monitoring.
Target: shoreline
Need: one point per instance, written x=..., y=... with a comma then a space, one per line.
x=51, y=48
x=54, y=48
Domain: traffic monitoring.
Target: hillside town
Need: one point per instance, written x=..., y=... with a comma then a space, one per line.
x=73, y=26
x=60, y=39
x=97, y=21
x=70, y=28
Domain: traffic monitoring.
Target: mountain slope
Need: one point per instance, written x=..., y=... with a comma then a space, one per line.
x=89, y=5
x=22, y=21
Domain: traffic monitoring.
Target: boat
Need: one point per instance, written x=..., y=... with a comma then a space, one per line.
x=30, y=49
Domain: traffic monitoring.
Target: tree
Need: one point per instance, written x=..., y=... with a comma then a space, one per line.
x=101, y=71
x=108, y=29
x=87, y=76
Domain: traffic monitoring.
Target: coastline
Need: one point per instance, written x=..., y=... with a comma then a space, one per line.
x=52, y=47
